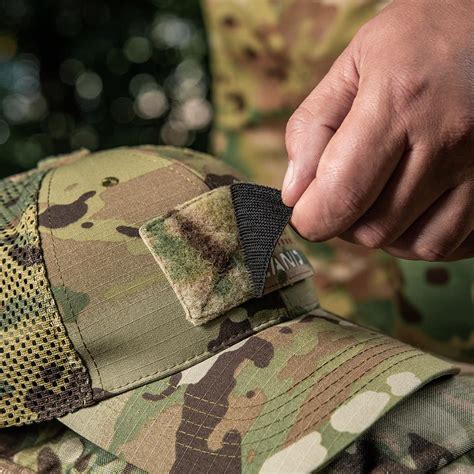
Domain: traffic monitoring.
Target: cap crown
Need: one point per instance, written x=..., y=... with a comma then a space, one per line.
x=104, y=290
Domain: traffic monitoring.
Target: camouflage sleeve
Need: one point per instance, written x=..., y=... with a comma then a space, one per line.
x=266, y=57
x=51, y=447
x=428, y=431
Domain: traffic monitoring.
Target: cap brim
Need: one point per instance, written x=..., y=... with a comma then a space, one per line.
x=286, y=399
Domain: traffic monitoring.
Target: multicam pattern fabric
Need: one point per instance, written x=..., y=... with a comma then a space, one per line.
x=409, y=438
x=51, y=448
x=41, y=376
x=197, y=246
x=293, y=394
x=102, y=273
x=266, y=58
x=426, y=432
x=286, y=399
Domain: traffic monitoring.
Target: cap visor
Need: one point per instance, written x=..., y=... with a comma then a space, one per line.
x=287, y=399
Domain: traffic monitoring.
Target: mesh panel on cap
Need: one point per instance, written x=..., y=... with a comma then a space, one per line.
x=41, y=375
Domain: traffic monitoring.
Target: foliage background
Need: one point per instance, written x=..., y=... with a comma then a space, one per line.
x=99, y=74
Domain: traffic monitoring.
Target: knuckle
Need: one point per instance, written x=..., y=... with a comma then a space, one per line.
x=409, y=87
x=301, y=118
x=297, y=126
x=372, y=235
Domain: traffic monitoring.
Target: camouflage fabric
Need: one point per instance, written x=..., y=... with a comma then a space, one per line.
x=51, y=448
x=198, y=247
x=266, y=58
x=408, y=439
x=271, y=383
x=286, y=399
x=41, y=375
x=207, y=282
x=426, y=432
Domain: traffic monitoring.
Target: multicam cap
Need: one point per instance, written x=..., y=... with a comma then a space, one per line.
x=161, y=308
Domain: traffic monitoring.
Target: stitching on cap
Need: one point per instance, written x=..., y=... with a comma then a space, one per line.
x=299, y=393
x=206, y=352
x=351, y=347
x=297, y=435
x=146, y=156
x=192, y=171
x=290, y=400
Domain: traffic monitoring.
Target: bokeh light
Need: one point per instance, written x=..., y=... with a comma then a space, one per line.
x=97, y=74
x=137, y=49
x=89, y=86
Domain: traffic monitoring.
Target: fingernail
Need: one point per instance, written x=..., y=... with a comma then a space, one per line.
x=288, y=178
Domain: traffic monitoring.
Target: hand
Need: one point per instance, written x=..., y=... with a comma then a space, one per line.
x=382, y=150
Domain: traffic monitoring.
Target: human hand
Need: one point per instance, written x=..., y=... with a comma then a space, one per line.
x=382, y=150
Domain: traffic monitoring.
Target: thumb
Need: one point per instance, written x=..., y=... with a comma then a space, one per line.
x=314, y=123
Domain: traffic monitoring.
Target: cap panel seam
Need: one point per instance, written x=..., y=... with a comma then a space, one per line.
x=194, y=173
x=172, y=167
x=62, y=279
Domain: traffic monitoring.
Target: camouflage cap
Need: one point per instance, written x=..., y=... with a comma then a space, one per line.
x=161, y=310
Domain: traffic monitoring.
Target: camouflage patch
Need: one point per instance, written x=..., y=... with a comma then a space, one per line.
x=197, y=246
x=206, y=253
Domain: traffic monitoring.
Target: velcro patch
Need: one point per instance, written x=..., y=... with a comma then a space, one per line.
x=198, y=247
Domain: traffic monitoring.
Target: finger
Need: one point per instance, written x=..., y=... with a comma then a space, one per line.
x=465, y=250
x=444, y=232
x=313, y=124
x=354, y=168
x=410, y=191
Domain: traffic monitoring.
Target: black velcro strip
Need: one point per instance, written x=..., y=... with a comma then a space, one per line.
x=261, y=218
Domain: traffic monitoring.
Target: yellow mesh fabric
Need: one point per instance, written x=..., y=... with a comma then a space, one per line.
x=41, y=375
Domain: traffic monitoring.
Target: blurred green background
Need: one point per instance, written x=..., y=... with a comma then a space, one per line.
x=99, y=74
